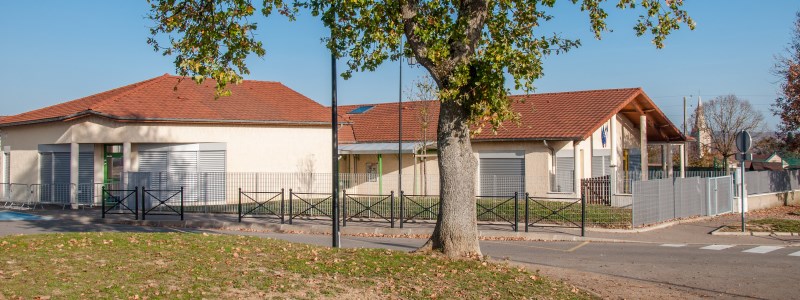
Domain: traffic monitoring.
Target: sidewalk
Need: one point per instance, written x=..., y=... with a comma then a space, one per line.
x=682, y=232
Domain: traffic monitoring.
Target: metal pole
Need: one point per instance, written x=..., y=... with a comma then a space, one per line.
x=240, y=205
x=741, y=195
x=516, y=211
x=103, y=201
x=334, y=155
x=583, y=215
x=401, y=208
x=526, y=211
x=400, y=130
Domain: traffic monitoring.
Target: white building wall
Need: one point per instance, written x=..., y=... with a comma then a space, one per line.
x=249, y=148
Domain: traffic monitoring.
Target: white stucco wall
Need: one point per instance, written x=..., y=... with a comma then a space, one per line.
x=249, y=148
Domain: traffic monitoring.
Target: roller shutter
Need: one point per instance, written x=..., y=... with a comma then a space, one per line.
x=85, y=178
x=502, y=176
x=564, y=177
x=200, y=173
x=601, y=166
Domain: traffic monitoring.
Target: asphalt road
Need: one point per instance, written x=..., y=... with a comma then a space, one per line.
x=719, y=271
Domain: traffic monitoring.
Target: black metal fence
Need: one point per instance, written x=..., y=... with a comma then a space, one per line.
x=555, y=212
x=261, y=205
x=167, y=202
x=119, y=202
x=368, y=207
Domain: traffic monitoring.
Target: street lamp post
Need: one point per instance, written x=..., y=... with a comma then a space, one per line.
x=335, y=154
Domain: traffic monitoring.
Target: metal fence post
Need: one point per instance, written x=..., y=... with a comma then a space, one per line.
x=401, y=208
x=583, y=214
x=239, y=210
x=136, y=202
x=181, y=203
x=144, y=209
x=344, y=208
x=290, y=206
x=282, y=200
x=516, y=211
x=391, y=209
x=103, y=205
x=526, y=211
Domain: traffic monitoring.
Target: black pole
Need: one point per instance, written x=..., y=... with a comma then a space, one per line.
x=282, y=205
x=240, y=205
x=136, y=202
x=401, y=209
x=335, y=152
x=103, y=201
x=181, y=203
x=583, y=214
x=526, y=212
x=400, y=130
x=344, y=208
x=516, y=211
x=291, y=199
x=144, y=209
x=391, y=208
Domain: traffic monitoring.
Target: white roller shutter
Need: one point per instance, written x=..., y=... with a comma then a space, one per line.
x=601, y=166
x=201, y=173
x=564, y=180
x=502, y=176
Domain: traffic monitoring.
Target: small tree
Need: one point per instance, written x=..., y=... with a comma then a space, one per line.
x=423, y=94
x=725, y=117
x=787, y=106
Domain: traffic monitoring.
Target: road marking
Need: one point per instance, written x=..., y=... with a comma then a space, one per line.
x=717, y=247
x=795, y=254
x=578, y=246
x=673, y=245
x=762, y=249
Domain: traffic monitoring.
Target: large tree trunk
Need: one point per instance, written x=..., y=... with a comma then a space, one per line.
x=456, y=232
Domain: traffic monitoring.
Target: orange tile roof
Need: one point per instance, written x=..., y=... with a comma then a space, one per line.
x=564, y=116
x=170, y=98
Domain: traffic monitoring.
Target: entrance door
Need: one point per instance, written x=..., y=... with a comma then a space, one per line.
x=112, y=165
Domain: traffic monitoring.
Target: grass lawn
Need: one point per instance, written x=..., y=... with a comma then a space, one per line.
x=776, y=225
x=184, y=266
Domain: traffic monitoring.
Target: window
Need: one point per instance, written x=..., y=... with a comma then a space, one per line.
x=372, y=172
x=361, y=109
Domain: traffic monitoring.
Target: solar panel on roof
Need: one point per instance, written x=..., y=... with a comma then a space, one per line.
x=361, y=109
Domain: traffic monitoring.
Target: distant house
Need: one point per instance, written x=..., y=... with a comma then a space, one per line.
x=561, y=139
x=166, y=124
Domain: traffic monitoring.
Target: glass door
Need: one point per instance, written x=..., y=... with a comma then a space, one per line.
x=112, y=165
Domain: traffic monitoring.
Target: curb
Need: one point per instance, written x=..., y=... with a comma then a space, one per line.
x=651, y=228
x=719, y=231
x=326, y=230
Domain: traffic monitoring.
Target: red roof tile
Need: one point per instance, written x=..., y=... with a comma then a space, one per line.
x=569, y=116
x=178, y=99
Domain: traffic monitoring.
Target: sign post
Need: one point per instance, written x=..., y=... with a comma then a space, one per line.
x=743, y=144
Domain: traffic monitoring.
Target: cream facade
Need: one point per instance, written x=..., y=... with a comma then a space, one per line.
x=613, y=149
x=246, y=148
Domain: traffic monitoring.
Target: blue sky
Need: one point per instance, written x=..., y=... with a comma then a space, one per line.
x=54, y=51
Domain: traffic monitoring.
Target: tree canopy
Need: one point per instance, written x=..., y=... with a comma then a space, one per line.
x=467, y=46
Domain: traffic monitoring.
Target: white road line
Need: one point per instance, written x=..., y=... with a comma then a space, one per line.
x=717, y=247
x=795, y=254
x=763, y=249
x=673, y=245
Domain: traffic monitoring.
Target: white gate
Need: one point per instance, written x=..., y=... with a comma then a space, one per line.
x=719, y=198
